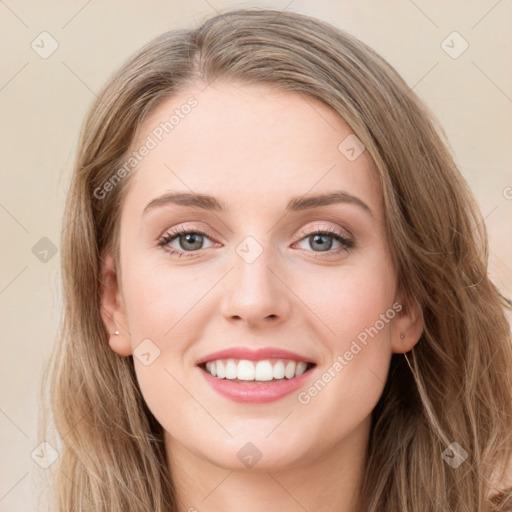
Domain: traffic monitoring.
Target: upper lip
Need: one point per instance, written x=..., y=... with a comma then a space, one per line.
x=253, y=354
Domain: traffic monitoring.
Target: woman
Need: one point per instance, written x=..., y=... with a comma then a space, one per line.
x=276, y=288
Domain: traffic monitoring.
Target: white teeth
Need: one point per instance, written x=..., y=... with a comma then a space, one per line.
x=301, y=368
x=221, y=372
x=289, y=372
x=231, y=369
x=279, y=370
x=264, y=370
x=246, y=370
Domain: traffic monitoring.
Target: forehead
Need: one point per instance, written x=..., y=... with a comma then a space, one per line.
x=248, y=144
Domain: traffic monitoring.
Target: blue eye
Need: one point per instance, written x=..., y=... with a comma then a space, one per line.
x=191, y=241
x=323, y=240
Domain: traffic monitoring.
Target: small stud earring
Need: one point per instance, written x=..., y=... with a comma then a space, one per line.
x=402, y=335
x=116, y=333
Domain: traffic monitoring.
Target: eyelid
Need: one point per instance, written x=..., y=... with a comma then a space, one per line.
x=328, y=228
x=185, y=228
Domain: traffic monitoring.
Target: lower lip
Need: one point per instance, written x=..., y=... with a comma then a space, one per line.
x=253, y=392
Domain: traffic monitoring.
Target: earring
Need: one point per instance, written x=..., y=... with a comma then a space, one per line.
x=116, y=333
x=402, y=335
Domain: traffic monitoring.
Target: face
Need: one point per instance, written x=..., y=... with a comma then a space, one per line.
x=278, y=282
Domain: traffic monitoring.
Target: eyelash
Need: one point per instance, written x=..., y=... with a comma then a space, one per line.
x=346, y=243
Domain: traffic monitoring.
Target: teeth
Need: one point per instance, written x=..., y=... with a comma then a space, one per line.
x=231, y=369
x=301, y=368
x=289, y=372
x=211, y=368
x=264, y=370
x=221, y=372
x=246, y=370
x=278, y=370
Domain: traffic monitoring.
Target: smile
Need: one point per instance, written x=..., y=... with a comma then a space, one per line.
x=262, y=371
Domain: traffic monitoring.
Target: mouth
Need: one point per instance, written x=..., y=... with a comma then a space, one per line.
x=265, y=371
x=256, y=376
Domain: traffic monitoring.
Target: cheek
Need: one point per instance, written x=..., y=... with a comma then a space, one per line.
x=160, y=308
x=166, y=306
x=159, y=297
x=355, y=306
x=348, y=300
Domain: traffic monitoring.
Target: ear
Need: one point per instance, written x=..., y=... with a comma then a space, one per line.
x=113, y=310
x=408, y=324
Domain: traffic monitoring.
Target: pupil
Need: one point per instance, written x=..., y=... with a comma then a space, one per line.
x=191, y=238
x=323, y=246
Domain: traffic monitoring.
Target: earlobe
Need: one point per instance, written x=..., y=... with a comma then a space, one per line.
x=112, y=309
x=120, y=344
x=408, y=326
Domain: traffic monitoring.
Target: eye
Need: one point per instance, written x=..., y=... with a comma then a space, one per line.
x=188, y=241
x=323, y=240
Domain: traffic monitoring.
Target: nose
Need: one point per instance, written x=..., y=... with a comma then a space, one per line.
x=255, y=292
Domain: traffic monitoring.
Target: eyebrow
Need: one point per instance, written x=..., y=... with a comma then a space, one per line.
x=300, y=203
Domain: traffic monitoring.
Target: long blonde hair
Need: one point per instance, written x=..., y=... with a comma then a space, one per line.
x=454, y=386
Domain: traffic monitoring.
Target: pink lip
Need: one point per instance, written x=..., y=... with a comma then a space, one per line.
x=256, y=393
x=253, y=355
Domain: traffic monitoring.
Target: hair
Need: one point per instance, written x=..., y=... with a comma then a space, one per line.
x=455, y=385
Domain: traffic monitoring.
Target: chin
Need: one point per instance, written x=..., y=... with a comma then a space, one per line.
x=256, y=454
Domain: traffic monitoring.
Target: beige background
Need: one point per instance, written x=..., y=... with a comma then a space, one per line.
x=43, y=102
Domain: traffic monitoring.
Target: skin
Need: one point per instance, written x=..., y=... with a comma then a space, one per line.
x=255, y=148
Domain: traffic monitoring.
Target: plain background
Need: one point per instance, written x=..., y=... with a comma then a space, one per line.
x=43, y=102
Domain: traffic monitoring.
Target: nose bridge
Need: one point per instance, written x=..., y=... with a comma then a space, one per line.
x=253, y=291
